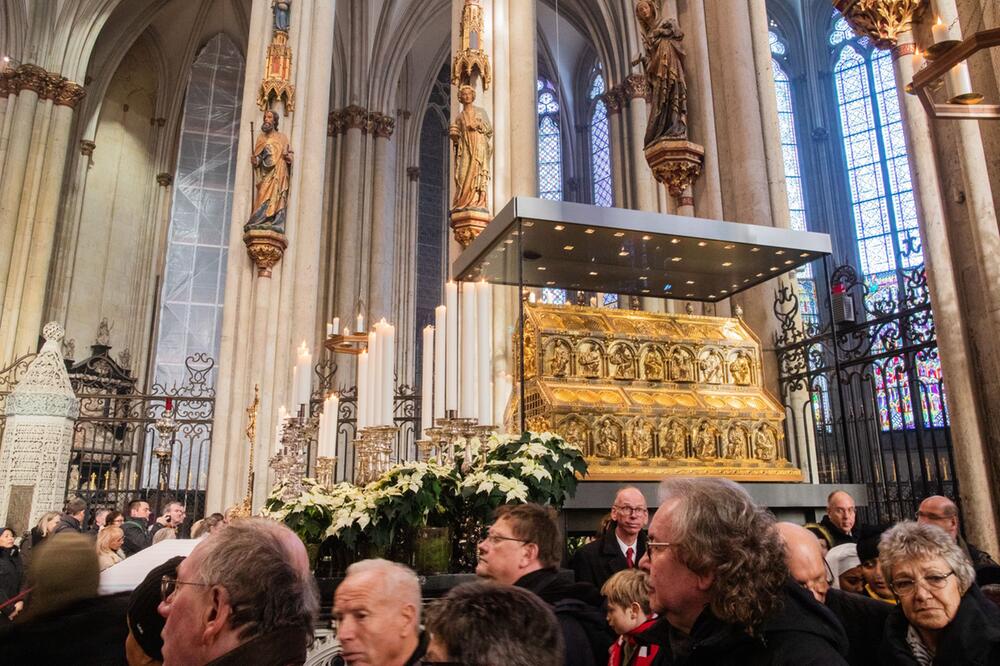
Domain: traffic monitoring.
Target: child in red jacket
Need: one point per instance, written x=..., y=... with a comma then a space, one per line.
x=629, y=615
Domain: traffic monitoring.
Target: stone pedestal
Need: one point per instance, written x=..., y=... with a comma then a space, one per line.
x=676, y=163
x=467, y=223
x=36, y=444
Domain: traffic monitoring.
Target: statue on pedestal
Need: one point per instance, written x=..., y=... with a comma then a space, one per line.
x=472, y=135
x=663, y=64
x=271, y=160
x=282, y=12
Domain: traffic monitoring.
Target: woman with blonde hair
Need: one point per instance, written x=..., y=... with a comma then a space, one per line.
x=38, y=533
x=109, y=543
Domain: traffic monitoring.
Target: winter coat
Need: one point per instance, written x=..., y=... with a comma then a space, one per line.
x=578, y=608
x=137, y=536
x=643, y=655
x=839, y=536
x=67, y=523
x=11, y=579
x=863, y=619
x=598, y=560
x=972, y=636
x=801, y=633
x=284, y=647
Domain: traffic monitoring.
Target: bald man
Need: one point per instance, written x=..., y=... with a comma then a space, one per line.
x=862, y=618
x=941, y=511
x=840, y=517
x=622, y=544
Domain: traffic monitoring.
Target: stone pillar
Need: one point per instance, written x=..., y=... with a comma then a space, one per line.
x=613, y=102
x=348, y=270
x=265, y=318
x=521, y=85
x=27, y=310
x=643, y=183
x=381, y=273
x=891, y=27
x=34, y=457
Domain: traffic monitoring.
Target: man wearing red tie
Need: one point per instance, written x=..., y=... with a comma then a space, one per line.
x=622, y=544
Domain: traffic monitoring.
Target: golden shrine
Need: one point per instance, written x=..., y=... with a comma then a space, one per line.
x=647, y=395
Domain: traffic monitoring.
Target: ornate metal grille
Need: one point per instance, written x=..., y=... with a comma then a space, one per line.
x=864, y=392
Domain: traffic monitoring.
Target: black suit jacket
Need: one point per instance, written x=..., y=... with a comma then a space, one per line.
x=597, y=561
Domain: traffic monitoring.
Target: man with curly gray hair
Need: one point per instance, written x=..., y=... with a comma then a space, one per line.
x=941, y=617
x=243, y=596
x=718, y=579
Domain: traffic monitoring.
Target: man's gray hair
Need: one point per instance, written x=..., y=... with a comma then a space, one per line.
x=910, y=541
x=267, y=591
x=397, y=580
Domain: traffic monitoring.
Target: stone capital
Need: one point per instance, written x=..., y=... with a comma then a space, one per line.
x=87, y=147
x=614, y=100
x=33, y=78
x=336, y=123
x=164, y=179
x=881, y=21
x=381, y=125
x=355, y=117
x=635, y=86
x=68, y=94
x=8, y=82
x=413, y=173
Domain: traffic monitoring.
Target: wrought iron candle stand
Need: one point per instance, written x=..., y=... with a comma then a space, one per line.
x=166, y=426
x=291, y=463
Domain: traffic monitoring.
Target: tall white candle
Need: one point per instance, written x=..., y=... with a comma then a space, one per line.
x=940, y=31
x=427, y=380
x=484, y=351
x=388, y=371
x=361, y=323
x=959, y=82
x=440, y=362
x=917, y=60
x=279, y=429
x=451, y=385
x=303, y=370
x=362, y=415
x=332, y=424
x=374, y=375
x=336, y=326
x=295, y=383
x=468, y=405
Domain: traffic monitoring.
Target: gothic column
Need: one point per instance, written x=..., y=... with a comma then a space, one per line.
x=613, y=101
x=644, y=186
x=971, y=438
x=266, y=317
x=348, y=269
x=380, y=267
x=28, y=312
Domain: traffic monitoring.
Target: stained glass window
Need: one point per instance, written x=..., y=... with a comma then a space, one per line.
x=793, y=171
x=610, y=301
x=549, y=143
x=554, y=296
x=884, y=214
x=600, y=146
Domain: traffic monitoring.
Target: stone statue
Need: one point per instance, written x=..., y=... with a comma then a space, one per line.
x=590, y=362
x=104, y=333
x=271, y=161
x=766, y=445
x=609, y=444
x=642, y=440
x=472, y=135
x=663, y=65
x=740, y=369
x=652, y=366
x=282, y=10
x=559, y=365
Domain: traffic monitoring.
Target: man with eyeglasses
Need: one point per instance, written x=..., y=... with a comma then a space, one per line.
x=523, y=548
x=719, y=582
x=840, y=517
x=941, y=511
x=863, y=619
x=621, y=546
x=243, y=596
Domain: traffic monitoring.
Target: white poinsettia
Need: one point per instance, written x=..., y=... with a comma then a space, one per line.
x=513, y=489
x=535, y=450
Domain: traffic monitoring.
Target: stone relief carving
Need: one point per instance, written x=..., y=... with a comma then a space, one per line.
x=622, y=360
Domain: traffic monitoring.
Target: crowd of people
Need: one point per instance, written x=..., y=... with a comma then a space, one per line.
x=713, y=578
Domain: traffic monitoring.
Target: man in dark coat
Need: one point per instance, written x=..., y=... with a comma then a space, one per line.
x=621, y=546
x=136, y=528
x=523, y=548
x=72, y=518
x=718, y=579
x=941, y=511
x=862, y=618
x=840, y=517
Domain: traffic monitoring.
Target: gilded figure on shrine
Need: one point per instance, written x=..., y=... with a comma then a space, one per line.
x=589, y=360
x=673, y=440
x=559, y=361
x=739, y=369
x=642, y=440
x=622, y=359
x=681, y=365
x=706, y=441
x=609, y=439
x=711, y=367
x=652, y=365
x=766, y=444
x=738, y=444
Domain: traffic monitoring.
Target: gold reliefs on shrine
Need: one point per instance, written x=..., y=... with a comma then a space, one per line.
x=647, y=395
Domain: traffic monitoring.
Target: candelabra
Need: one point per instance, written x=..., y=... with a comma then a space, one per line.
x=166, y=426
x=373, y=453
x=326, y=467
x=292, y=460
x=449, y=432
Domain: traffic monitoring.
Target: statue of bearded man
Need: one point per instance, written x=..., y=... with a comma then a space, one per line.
x=271, y=160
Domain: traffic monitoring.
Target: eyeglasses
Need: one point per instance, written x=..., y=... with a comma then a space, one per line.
x=169, y=583
x=930, y=516
x=632, y=510
x=905, y=586
x=655, y=546
x=495, y=539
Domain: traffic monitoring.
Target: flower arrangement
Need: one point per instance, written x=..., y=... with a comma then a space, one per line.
x=386, y=514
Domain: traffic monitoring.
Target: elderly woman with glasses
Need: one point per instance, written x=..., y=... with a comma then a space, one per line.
x=942, y=617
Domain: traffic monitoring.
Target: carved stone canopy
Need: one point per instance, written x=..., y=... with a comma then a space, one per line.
x=881, y=21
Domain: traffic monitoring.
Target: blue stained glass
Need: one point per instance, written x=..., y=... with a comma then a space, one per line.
x=600, y=145
x=554, y=296
x=549, y=143
x=610, y=301
x=777, y=46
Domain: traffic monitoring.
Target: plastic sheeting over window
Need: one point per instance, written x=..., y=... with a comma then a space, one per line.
x=194, y=281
